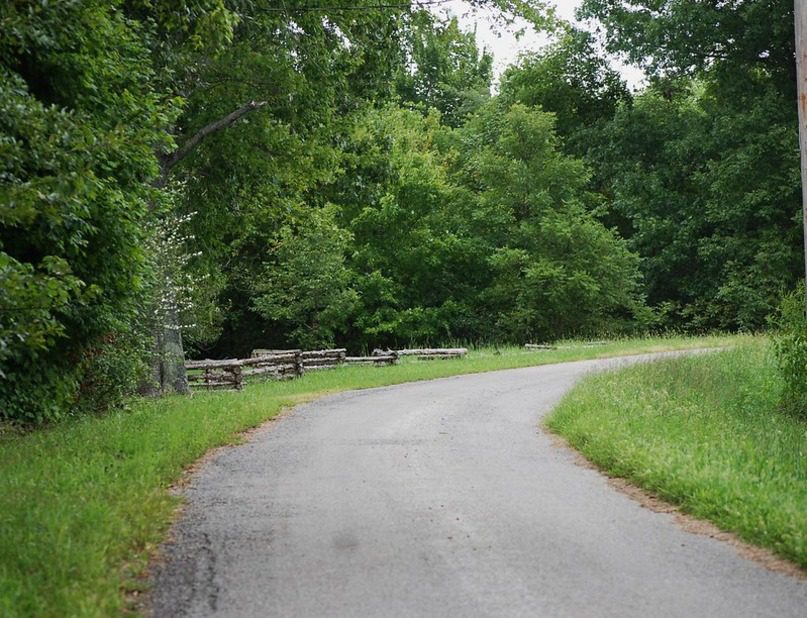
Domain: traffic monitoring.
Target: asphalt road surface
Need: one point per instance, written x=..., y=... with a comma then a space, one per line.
x=441, y=498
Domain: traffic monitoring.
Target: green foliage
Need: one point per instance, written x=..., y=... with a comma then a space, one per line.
x=446, y=70
x=377, y=195
x=701, y=174
x=790, y=347
x=313, y=70
x=478, y=232
x=704, y=186
x=683, y=37
x=112, y=370
x=90, y=109
x=305, y=286
x=570, y=79
x=29, y=300
x=414, y=254
x=78, y=128
x=555, y=268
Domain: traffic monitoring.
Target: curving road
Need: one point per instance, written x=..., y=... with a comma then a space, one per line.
x=441, y=498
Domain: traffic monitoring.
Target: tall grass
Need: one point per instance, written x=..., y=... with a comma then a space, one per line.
x=83, y=504
x=703, y=432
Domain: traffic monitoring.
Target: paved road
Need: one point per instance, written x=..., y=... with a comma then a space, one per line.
x=441, y=498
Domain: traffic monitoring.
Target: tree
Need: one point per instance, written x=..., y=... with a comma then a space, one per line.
x=79, y=123
x=572, y=80
x=314, y=70
x=556, y=270
x=700, y=173
x=313, y=67
x=445, y=69
x=218, y=122
x=416, y=262
x=305, y=287
x=479, y=232
x=678, y=37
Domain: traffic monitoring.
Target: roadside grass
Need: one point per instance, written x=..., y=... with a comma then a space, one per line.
x=703, y=432
x=84, y=504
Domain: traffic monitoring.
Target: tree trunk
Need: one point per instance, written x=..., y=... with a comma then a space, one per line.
x=171, y=355
x=167, y=362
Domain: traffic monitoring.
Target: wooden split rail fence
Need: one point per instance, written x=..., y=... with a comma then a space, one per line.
x=434, y=353
x=230, y=373
x=276, y=364
x=317, y=360
x=311, y=360
x=549, y=346
x=377, y=359
x=287, y=364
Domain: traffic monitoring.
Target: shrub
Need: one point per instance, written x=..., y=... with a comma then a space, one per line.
x=78, y=137
x=112, y=371
x=790, y=347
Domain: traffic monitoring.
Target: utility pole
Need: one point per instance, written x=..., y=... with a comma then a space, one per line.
x=800, y=13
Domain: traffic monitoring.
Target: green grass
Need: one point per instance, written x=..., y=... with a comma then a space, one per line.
x=705, y=433
x=84, y=504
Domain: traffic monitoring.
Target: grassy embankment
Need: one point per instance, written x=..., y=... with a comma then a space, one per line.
x=84, y=503
x=704, y=433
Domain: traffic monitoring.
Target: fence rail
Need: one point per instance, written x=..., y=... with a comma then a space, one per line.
x=230, y=373
x=434, y=353
x=317, y=360
x=379, y=359
x=215, y=374
x=552, y=346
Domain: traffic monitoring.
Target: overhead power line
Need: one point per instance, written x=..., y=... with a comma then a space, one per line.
x=371, y=7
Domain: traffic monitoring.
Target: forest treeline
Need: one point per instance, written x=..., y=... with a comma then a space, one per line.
x=309, y=174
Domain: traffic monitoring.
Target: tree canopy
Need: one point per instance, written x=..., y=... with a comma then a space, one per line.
x=243, y=173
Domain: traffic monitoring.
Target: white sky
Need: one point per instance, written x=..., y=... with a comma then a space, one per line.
x=506, y=46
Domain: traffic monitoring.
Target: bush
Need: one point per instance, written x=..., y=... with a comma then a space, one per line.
x=790, y=347
x=78, y=137
x=112, y=371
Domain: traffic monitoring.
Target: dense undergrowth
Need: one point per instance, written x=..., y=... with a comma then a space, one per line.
x=707, y=433
x=83, y=504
